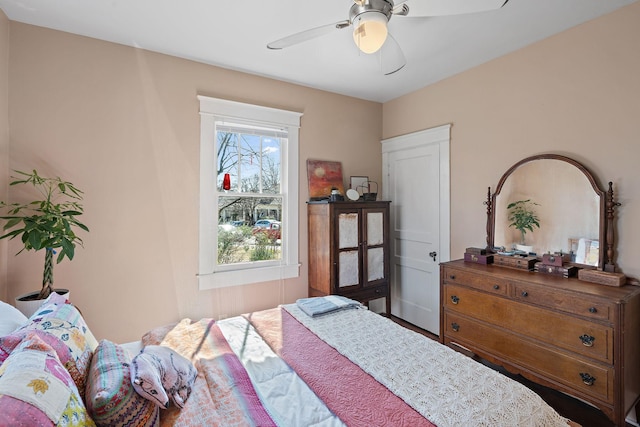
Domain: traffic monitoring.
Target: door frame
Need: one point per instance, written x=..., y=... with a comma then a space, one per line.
x=440, y=136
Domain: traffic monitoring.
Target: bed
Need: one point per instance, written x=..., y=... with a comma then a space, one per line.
x=286, y=366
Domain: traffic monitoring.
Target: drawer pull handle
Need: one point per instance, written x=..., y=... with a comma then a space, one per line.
x=452, y=277
x=593, y=310
x=587, y=379
x=455, y=327
x=455, y=299
x=496, y=287
x=587, y=340
x=525, y=294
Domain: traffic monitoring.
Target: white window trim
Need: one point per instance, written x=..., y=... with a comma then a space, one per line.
x=210, y=277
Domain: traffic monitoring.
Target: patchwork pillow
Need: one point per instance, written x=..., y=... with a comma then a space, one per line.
x=60, y=319
x=9, y=342
x=160, y=375
x=36, y=390
x=58, y=306
x=110, y=397
x=10, y=318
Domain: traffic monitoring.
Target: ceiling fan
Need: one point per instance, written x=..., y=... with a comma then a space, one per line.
x=369, y=19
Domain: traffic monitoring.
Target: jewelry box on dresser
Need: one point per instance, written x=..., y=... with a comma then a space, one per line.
x=576, y=336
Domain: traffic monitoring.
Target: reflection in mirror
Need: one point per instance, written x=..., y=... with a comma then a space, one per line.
x=569, y=209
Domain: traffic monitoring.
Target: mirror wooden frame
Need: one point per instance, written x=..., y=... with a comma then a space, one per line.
x=607, y=207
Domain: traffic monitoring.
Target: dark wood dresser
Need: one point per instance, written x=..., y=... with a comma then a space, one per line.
x=577, y=337
x=349, y=250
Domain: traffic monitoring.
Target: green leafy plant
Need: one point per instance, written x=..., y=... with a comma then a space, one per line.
x=522, y=216
x=47, y=223
x=264, y=249
x=231, y=245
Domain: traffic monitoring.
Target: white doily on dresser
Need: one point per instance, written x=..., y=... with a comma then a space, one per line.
x=446, y=387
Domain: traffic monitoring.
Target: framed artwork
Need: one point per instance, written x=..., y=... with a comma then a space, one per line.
x=324, y=175
x=359, y=183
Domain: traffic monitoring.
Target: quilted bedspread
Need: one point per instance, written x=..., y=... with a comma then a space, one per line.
x=446, y=387
x=351, y=393
x=352, y=367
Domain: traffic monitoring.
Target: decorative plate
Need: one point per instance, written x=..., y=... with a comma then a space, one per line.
x=353, y=194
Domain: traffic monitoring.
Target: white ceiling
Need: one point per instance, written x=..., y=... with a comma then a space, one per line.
x=233, y=34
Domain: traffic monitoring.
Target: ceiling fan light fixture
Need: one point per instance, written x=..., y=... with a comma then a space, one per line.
x=370, y=31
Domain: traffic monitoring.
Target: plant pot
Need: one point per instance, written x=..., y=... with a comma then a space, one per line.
x=28, y=304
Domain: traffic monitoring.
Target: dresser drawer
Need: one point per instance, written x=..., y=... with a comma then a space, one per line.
x=591, y=378
x=366, y=294
x=477, y=281
x=557, y=329
x=563, y=301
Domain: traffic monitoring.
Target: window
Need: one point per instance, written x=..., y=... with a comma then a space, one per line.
x=248, y=193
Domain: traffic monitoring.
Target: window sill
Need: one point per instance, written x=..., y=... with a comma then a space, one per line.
x=223, y=279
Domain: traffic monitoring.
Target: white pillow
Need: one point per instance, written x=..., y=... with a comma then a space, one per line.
x=10, y=318
x=132, y=347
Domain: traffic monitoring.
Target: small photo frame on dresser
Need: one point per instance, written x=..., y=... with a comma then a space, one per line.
x=359, y=183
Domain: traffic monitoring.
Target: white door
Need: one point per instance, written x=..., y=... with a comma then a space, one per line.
x=416, y=180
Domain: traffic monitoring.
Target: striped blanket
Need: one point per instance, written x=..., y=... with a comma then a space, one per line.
x=222, y=394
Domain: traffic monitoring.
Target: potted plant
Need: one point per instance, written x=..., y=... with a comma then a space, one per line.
x=523, y=218
x=48, y=223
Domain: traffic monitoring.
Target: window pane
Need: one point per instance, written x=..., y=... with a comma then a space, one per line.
x=251, y=160
x=249, y=229
x=228, y=156
x=250, y=165
x=270, y=165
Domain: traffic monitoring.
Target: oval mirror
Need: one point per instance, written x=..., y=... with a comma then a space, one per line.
x=566, y=203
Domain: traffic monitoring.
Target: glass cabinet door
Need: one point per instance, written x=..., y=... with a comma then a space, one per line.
x=375, y=228
x=348, y=244
x=349, y=270
x=348, y=230
x=375, y=237
x=354, y=254
x=375, y=264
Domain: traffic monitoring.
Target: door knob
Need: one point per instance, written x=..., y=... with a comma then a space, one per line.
x=433, y=255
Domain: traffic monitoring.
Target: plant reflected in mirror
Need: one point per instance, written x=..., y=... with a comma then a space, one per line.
x=523, y=217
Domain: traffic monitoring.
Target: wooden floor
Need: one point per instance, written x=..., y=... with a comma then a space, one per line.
x=580, y=412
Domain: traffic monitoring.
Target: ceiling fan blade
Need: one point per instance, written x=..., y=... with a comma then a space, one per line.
x=448, y=7
x=303, y=36
x=401, y=9
x=391, y=56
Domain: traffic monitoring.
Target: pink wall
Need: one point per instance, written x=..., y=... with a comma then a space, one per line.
x=576, y=94
x=4, y=138
x=123, y=125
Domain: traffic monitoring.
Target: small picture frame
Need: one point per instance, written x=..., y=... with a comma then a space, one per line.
x=359, y=183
